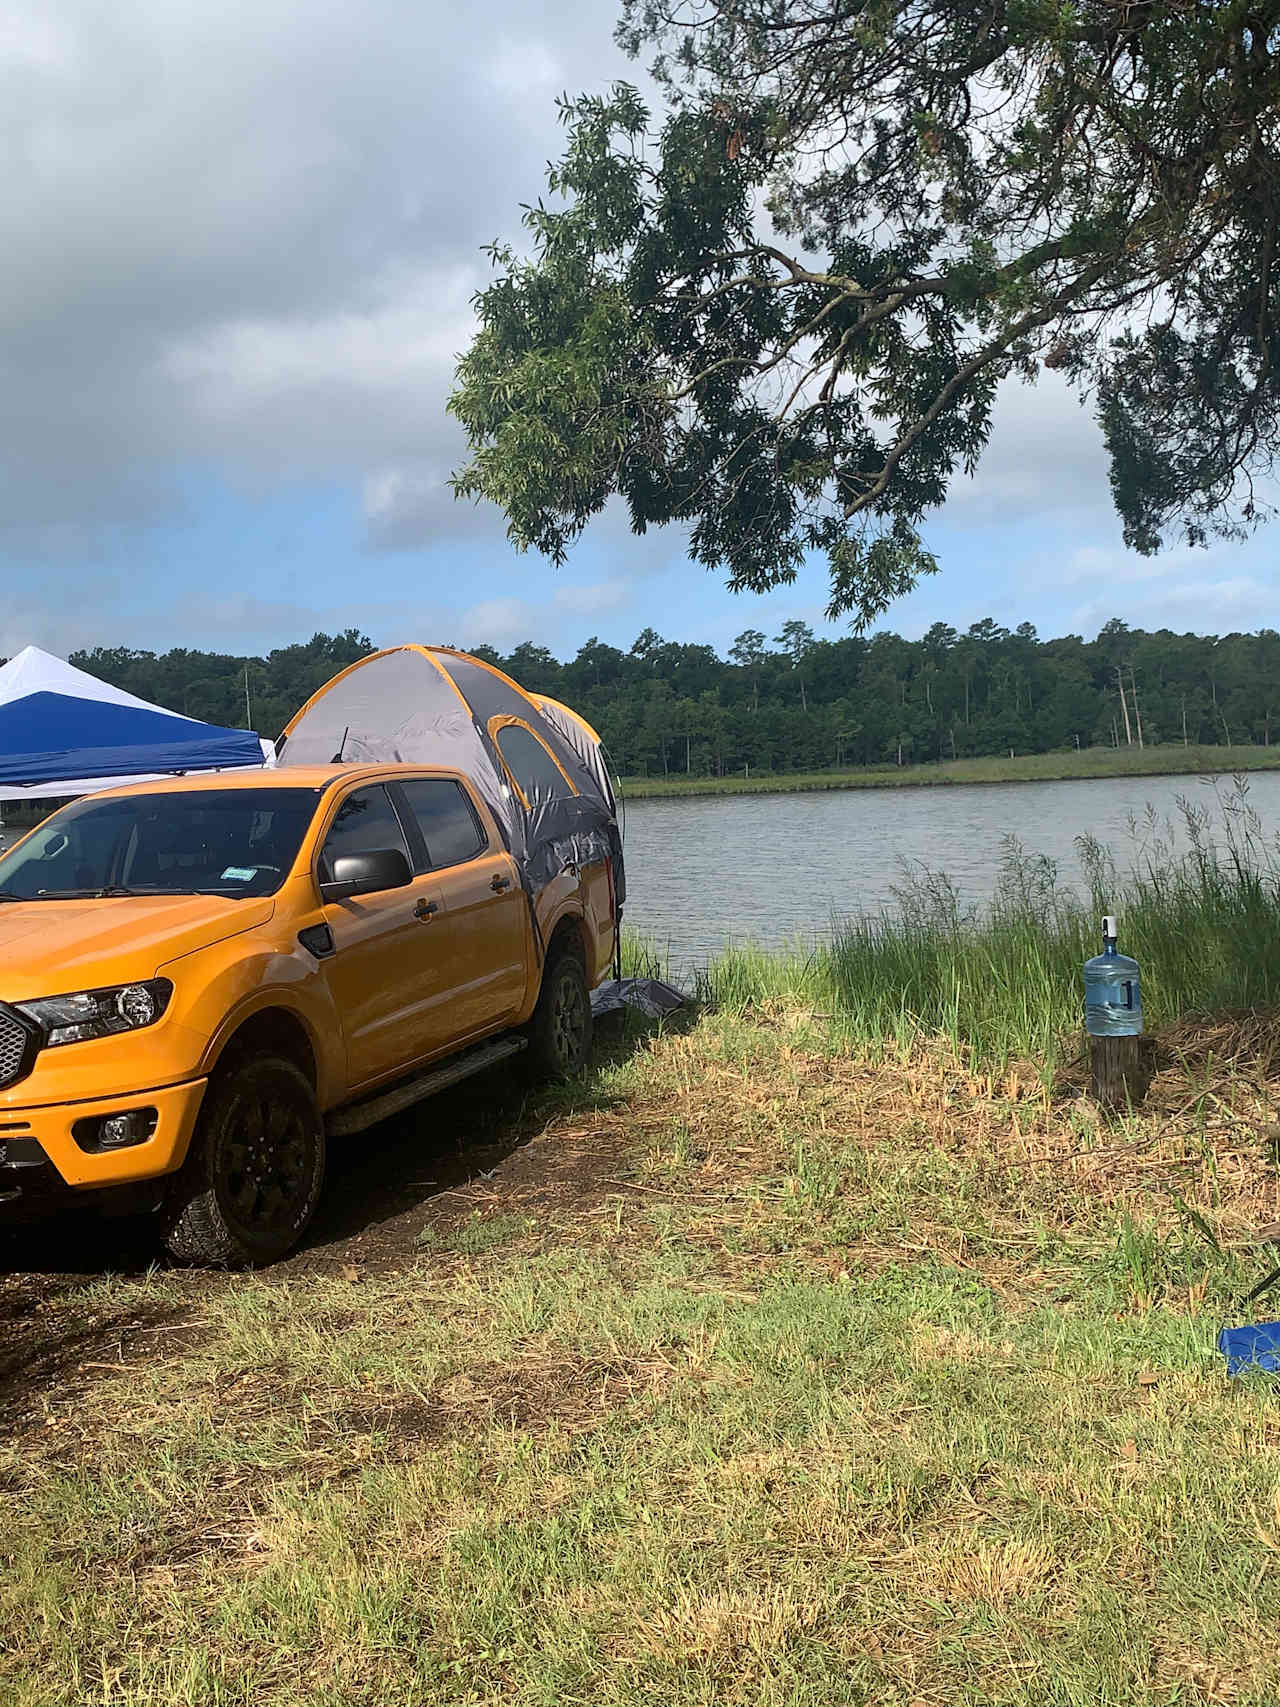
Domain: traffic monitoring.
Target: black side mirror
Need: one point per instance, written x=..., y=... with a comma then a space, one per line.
x=366, y=873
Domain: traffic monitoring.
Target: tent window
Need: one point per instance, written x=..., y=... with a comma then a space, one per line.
x=447, y=820
x=535, y=772
x=366, y=823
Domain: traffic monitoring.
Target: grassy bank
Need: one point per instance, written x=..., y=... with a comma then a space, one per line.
x=833, y=1382
x=822, y=1350
x=1201, y=914
x=1030, y=767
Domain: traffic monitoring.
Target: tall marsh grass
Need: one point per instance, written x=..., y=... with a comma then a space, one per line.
x=1199, y=907
x=1167, y=760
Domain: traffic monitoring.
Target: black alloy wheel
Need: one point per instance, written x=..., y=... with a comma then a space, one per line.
x=254, y=1172
x=561, y=1029
x=262, y=1165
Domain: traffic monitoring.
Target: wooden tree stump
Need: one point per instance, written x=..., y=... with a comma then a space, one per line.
x=1120, y=1071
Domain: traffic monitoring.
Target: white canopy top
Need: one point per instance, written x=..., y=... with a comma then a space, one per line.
x=33, y=671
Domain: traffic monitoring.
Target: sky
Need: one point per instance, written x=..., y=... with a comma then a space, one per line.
x=241, y=243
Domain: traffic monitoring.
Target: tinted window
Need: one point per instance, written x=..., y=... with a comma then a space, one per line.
x=228, y=841
x=366, y=823
x=530, y=763
x=446, y=820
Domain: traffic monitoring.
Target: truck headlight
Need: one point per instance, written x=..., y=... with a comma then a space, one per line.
x=98, y=1013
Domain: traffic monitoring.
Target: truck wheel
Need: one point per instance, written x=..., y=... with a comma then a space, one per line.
x=253, y=1174
x=560, y=1030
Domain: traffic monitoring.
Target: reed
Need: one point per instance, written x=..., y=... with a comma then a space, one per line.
x=1199, y=909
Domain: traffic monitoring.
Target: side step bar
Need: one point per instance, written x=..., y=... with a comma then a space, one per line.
x=357, y=1116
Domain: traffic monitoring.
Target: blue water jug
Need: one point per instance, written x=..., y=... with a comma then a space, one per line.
x=1112, y=992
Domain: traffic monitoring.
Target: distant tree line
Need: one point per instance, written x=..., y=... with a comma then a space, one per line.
x=795, y=702
x=227, y=688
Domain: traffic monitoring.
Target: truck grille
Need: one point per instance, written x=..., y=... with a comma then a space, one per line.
x=17, y=1047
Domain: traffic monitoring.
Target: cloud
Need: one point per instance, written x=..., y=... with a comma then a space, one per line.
x=1110, y=563
x=34, y=619
x=1045, y=456
x=1233, y=602
x=1218, y=588
x=248, y=235
x=503, y=623
x=292, y=388
x=590, y=601
x=556, y=622
x=409, y=506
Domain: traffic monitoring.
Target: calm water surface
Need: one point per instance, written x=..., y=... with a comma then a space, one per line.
x=775, y=867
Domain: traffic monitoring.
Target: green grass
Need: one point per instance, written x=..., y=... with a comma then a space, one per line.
x=478, y=1234
x=862, y=1365
x=1168, y=760
x=1005, y=981
x=861, y=1385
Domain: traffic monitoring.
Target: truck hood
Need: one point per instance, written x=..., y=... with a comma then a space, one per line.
x=50, y=948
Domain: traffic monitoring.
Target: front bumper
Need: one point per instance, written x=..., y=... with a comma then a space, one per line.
x=40, y=1155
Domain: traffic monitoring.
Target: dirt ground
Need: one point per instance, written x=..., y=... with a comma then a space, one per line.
x=498, y=1147
x=489, y=1146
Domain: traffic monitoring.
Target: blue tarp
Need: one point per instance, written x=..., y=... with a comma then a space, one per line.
x=1256, y=1346
x=54, y=737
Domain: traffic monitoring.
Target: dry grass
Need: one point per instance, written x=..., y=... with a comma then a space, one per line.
x=1205, y=1140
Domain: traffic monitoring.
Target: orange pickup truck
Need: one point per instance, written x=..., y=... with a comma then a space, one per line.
x=203, y=979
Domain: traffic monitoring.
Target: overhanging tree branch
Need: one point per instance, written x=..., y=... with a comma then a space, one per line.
x=955, y=191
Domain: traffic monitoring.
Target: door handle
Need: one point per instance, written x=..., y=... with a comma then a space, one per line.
x=424, y=909
x=496, y=883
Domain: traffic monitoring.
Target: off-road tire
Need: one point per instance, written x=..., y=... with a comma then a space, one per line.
x=253, y=1175
x=560, y=1030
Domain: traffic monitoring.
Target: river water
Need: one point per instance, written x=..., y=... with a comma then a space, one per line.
x=774, y=868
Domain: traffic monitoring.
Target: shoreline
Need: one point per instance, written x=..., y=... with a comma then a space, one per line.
x=1085, y=766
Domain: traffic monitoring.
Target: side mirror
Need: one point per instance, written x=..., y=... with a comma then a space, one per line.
x=366, y=874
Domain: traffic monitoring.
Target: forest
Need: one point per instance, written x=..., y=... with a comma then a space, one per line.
x=794, y=702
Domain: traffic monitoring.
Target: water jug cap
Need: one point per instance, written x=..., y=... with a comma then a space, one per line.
x=1109, y=925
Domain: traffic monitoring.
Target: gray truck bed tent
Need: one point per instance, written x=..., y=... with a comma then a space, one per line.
x=433, y=706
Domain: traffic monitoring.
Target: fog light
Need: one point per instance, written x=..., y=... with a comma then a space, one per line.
x=115, y=1131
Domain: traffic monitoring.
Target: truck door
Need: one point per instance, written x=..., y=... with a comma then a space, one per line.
x=485, y=925
x=387, y=973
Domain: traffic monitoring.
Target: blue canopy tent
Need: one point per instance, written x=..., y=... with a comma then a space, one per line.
x=64, y=732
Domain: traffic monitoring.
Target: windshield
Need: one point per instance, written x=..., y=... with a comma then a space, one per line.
x=235, y=842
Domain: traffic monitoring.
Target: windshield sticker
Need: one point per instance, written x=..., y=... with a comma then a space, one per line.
x=239, y=874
